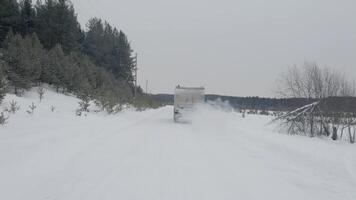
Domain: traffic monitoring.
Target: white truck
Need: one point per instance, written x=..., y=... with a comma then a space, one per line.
x=185, y=99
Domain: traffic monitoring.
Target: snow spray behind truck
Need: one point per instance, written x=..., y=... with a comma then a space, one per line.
x=185, y=99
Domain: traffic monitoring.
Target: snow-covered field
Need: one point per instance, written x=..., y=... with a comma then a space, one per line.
x=145, y=156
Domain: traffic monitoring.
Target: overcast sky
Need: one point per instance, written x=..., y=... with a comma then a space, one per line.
x=233, y=47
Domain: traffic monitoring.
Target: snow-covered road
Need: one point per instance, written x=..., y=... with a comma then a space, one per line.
x=134, y=155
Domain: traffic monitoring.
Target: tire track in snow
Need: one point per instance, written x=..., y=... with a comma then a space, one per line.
x=102, y=147
x=294, y=157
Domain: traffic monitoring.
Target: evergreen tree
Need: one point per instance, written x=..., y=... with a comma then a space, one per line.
x=2, y=80
x=71, y=73
x=57, y=24
x=9, y=18
x=96, y=64
x=85, y=72
x=47, y=70
x=124, y=70
x=23, y=56
x=27, y=13
x=94, y=40
x=109, y=48
x=56, y=67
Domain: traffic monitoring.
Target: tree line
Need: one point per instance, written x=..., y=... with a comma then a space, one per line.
x=44, y=43
x=246, y=103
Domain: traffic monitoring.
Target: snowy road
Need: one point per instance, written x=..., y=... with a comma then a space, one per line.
x=147, y=156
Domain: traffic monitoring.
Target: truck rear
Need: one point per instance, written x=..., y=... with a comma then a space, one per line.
x=185, y=100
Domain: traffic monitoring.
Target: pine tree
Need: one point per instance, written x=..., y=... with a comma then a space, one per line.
x=94, y=64
x=109, y=48
x=47, y=70
x=9, y=18
x=23, y=56
x=27, y=14
x=125, y=68
x=55, y=69
x=2, y=80
x=57, y=24
x=94, y=42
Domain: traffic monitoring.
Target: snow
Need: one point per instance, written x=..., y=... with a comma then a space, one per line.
x=144, y=155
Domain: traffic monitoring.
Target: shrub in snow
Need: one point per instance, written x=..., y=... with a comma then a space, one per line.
x=327, y=117
x=14, y=107
x=110, y=109
x=32, y=108
x=3, y=118
x=264, y=112
x=53, y=108
x=108, y=103
x=84, y=105
x=114, y=109
x=41, y=92
x=252, y=112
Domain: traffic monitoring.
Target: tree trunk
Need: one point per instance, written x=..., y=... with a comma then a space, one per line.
x=342, y=133
x=352, y=136
x=312, y=125
x=334, y=136
x=321, y=126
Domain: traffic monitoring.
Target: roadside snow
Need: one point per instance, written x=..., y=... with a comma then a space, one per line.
x=144, y=155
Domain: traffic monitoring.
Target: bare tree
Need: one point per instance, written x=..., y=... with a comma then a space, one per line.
x=32, y=108
x=312, y=82
x=349, y=123
x=41, y=92
x=324, y=115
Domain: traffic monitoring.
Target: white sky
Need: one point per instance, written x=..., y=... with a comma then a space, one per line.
x=233, y=47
